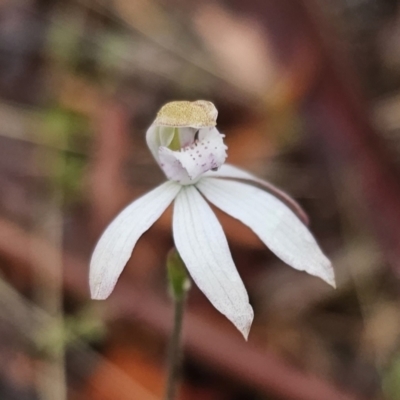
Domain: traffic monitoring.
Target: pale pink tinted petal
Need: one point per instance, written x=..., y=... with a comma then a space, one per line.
x=118, y=240
x=272, y=221
x=172, y=166
x=230, y=171
x=202, y=244
x=211, y=141
x=206, y=154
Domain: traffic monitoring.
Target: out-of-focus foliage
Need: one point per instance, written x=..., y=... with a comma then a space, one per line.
x=81, y=80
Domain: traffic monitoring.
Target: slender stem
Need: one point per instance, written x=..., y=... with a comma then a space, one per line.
x=179, y=285
x=175, y=349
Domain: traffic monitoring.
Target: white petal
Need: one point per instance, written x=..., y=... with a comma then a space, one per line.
x=172, y=166
x=118, y=240
x=272, y=221
x=229, y=171
x=207, y=153
x=153, y=140
x=157, y=136
x=202, y=244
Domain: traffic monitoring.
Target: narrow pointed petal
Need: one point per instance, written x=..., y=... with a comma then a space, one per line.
x=203, y=247
x=229, y=171
x=272, y=221
x=118, y=240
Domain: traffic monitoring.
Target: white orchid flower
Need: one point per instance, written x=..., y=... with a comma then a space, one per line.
x=190, y=150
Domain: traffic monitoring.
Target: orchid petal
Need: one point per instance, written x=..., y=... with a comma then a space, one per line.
x=192, y=161
x=118, y=240
x=157, y=136
x=229, y=171
x=153, y=140
x=272, y=221
x=202, y=244
x=172, y=166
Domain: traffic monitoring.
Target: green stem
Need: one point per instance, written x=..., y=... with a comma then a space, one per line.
x=179, y=284
x=175, y=350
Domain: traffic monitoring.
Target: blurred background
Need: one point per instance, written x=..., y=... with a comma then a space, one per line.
x=308, y=93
